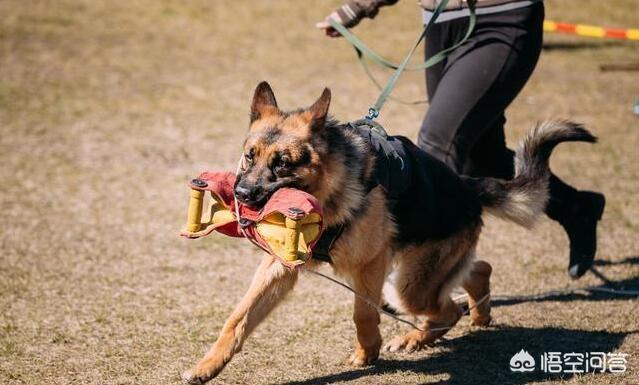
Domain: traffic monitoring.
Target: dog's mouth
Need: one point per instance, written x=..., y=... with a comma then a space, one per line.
x=256, y=200
x=259, y=195
x=256, y=203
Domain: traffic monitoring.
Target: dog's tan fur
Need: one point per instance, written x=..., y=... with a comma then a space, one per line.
x=303, y=150
x=427, y=272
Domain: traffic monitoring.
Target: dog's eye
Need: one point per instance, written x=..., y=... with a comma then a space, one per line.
x=249, y=155
x=283, y=163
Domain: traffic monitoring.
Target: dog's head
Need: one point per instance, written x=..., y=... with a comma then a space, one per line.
x=281, y=149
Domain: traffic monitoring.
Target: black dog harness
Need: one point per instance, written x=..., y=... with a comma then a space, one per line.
x=426, y=198
x=392, y=172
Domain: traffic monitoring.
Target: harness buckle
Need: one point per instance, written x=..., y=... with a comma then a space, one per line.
x=372, y=113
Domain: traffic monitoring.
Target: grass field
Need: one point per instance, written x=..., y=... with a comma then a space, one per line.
x=108, y=108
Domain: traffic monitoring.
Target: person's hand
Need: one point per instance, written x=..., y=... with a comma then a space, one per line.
x=325, y=25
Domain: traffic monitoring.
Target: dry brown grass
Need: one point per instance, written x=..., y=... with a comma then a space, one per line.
x=107, y=108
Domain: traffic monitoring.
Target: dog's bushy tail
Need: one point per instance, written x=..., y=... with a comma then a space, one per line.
x=523, y=199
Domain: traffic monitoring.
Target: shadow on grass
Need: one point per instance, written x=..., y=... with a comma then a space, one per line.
x=591, y=293
x=603, y=292
x=483, y=356
x=626, y=261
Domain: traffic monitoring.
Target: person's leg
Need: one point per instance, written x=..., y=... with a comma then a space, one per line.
x=437, y=40
x=578, y=213
x=479, y=81
x=464, y=126
x=490, y=156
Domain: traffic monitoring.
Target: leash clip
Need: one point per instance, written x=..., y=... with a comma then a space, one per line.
x=372, y=113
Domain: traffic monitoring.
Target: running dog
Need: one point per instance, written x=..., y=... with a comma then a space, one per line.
x=423, y=228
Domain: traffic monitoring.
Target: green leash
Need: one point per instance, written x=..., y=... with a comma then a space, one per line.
x=362, y=50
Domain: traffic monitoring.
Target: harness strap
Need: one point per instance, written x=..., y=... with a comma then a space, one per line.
x=362, y=50
x=322, y=249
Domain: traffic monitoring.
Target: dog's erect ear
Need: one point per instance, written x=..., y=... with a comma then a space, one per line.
x=263, y=102
x=319, y=110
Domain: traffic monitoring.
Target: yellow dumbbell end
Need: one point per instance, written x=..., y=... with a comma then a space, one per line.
x=194, y=217
x=293, y=227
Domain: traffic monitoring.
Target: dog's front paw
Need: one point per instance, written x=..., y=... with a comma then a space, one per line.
x=204, y=371
x=192, y=377
x=188, y=377
x=481, y=320
x=361, y=358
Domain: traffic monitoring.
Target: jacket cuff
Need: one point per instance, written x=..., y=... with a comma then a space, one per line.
x=350, y=14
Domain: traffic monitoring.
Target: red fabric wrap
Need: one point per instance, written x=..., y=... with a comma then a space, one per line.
x=220, y=184
x=290, y=202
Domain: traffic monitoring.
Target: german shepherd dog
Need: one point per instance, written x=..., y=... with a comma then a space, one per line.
x=308, y=150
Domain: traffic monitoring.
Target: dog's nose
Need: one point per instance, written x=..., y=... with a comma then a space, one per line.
x=248, y=195
x=243, y=193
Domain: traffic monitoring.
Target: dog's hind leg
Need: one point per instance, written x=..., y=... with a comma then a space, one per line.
x=427, y=274
x=441, y=318
x=271, y=282
x=477, y=285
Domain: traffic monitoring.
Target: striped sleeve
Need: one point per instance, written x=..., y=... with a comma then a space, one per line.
x=353, y=11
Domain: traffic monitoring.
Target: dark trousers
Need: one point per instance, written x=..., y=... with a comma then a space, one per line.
x=471, y=89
